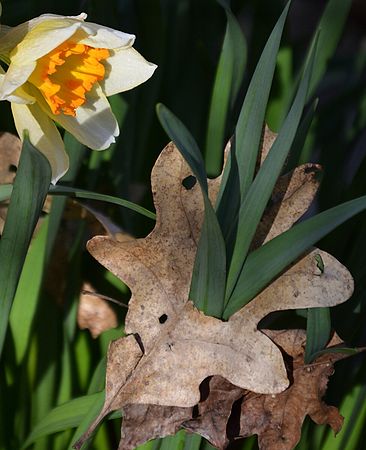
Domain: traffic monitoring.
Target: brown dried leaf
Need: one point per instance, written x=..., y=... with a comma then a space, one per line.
x=267, y=141
x=173, y=346
x=226, y=412
x=144, y=422
x=94, y=313
x=291, y=198
x=10, y=147
x=277, y=419
x=214, y=411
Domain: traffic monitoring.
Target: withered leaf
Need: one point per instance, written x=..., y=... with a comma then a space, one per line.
x=291, y=198
x=277, y=419
x=172, y=347
x=144, y=422
x=214, y=411
x=268, y=138
x=10, y=148
x=95, y=314
x=226, y=412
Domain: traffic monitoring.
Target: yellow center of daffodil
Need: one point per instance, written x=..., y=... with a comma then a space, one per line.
x=66, y=73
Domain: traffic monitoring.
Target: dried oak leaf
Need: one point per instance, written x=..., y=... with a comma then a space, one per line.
x=214, y=412
x=94, y=313
x=145, y=422
x=291, y=198
x=277, y=419
x=10, y=147
x=172, y=347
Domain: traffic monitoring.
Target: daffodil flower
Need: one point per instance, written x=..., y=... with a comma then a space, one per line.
x=61, y=69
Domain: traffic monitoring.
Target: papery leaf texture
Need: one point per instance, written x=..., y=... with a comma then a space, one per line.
x=171, y=347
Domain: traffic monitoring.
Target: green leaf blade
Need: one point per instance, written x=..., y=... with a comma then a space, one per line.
x=331, y=25
x=318, y=331
x=27, y=294
x=63, y=417
x=229, y=75
x=267, y=262
x=239, y=169
x=256, y=200
x=208, y=280
x=29, y=192
x=82, y=193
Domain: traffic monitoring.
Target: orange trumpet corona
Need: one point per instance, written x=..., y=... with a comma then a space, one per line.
x=67, y=73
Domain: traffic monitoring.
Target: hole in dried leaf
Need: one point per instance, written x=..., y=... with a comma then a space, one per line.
x=205, y=389
x=195, y=412
x=12, y=168
x=189, y=182
x=233, y=423
x=163, y=318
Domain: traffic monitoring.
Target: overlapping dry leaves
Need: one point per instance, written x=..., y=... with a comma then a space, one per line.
x=175, y=358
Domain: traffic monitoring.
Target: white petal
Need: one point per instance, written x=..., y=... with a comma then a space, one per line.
x=94, y=124
x=15, y=77
x=39, y=41
x=104, y=37
x=125, y=69
x=43, y=134
x=43, y=38
x=20, y=95
x=10, y=37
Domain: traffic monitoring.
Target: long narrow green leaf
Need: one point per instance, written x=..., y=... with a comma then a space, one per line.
x=82, y=193
x=317, y=332
x=89, y=416
x=68, y=415
x=239, y=169
x=208, y=280
x=331, y=25
x=300, y=138
x=185, y=143
x=29, y=192
x=27, y=293
x=267, y=262
x=256, y=200
x=229, y=75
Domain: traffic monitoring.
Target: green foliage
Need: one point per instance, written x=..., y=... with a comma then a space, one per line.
x=29, y=192
x=228, y=78
x=209, y=272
